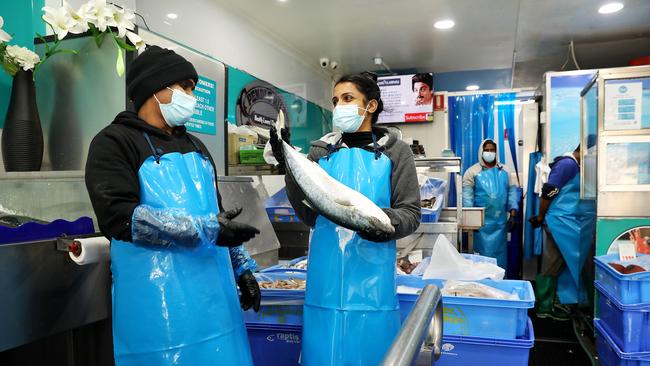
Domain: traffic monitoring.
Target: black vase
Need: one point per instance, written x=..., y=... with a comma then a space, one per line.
x=22, y=136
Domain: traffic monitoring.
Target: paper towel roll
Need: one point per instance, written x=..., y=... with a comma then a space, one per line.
x=93, y=250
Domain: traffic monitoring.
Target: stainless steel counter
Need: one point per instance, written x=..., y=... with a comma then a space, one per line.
x=45, y=293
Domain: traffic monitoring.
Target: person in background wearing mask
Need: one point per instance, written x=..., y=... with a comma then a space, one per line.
x=351, y=312
x=422, y=85
x=491, y=185
x=175, y=252
x=570, y=226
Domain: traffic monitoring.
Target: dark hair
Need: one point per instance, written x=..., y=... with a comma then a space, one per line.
x=491, y=142
x=577, y=149
x=366, y=82
x=422, y=78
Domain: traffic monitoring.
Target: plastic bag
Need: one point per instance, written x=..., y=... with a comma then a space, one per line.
x=447, y=264
x=432, y=187
x=242, y=130
x=419, y=270
x=268, y=153
x=475, y=289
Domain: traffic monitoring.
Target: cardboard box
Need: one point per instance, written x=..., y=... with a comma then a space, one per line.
x=235, y=141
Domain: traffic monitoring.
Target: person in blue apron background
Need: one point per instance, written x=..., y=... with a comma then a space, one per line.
x=176, y=254
x=570, y=227
x=351, y=312
x=491, y=185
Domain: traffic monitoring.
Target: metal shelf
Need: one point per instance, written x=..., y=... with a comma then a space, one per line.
x=450, y=223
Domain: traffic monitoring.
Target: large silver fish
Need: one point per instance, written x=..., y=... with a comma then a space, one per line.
x=334, y=200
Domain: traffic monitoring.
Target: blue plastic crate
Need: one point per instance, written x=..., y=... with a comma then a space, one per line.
x=472, y=351
x=627, y=289
x=476, y=317
x=279, y=209
x=433, y=188
x=610, y=355
x=273, y=345
x=627, y=325
x=285, y=268
x=279, y=307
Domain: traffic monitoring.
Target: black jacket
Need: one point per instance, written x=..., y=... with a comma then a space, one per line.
x=114, y=159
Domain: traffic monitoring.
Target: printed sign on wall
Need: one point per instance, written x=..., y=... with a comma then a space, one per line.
x=205, y=114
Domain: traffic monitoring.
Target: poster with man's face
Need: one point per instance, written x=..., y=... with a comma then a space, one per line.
x=407, y=98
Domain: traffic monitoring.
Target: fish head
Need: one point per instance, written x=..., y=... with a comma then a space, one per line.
x=380, y=227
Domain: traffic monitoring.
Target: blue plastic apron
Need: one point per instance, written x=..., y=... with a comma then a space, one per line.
x=176, y=305
x=572, y=223
x=491, y=192
x=351, y=312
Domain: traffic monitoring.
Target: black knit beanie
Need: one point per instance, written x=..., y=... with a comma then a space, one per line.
x=155, y=69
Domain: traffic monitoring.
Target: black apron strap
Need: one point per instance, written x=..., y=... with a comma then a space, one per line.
x=153, y=149
x=375, y=147
x=332, y=148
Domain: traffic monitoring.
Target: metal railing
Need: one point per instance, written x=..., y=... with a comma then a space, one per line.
x=423, y=325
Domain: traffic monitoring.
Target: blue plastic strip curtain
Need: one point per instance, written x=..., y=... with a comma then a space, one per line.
x=506, y=122
x=532, y=236
x=471, y=120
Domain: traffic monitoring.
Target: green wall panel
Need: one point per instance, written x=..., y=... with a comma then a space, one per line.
x=22, y=20
x=308, y=121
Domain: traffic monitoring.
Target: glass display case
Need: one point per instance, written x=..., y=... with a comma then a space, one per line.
x=615, y=141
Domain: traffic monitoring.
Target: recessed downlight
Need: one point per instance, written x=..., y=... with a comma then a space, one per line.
x=172, y=16
x=444, y=24
x=611, y=8
x=472, y=87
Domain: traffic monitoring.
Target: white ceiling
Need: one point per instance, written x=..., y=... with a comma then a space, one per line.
x=486, y=34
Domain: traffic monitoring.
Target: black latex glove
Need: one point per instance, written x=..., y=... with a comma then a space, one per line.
x=250, y=292
x=231, y=233
x=276, y=145
x=536, y=221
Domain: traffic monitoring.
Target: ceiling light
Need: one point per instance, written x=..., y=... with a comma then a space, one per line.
x=282, y=1
x=610, y=8
x=172, y=15
x=472, y=87
x=444, y=24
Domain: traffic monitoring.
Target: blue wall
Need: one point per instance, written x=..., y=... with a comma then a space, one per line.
x=22, y=20
x=486, y=79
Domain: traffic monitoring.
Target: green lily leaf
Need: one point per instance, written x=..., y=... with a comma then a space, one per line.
x=119, y=66
x=121, y=43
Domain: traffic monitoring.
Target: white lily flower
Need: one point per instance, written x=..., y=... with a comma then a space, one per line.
x=22, y=57
x=135, y=39
x=123, y=20
x=101, y=15
x=4, y=36
x=78, y=18
x=58, y=19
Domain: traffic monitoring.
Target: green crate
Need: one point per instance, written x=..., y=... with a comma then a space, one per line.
x=251, y=157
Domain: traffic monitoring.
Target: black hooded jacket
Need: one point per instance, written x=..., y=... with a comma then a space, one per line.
x=114, y=159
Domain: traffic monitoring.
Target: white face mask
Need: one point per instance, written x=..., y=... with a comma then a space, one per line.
x=489, y=157
x=179, y=110
x=346, y=117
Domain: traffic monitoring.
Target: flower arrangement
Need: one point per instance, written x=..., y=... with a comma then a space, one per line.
x=98, y=17
x=14, y=58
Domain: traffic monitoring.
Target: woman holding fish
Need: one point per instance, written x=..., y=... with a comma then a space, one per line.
x=351, y=312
